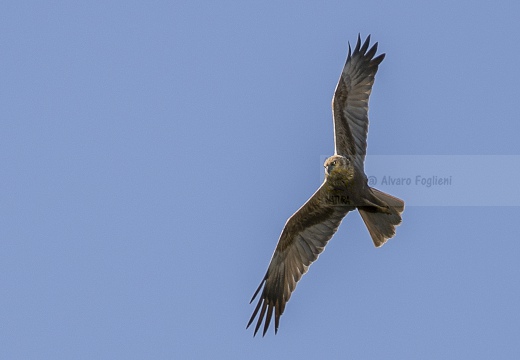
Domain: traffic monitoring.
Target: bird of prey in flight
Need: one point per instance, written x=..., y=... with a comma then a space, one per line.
x=344, y=189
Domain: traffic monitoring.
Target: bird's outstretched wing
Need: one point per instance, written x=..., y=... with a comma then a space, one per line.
x=350, y=102
x=303, y=238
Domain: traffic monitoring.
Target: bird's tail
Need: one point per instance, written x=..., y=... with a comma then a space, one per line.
x=381, y=220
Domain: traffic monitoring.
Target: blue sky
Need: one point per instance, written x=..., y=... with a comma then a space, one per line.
x=151, y=153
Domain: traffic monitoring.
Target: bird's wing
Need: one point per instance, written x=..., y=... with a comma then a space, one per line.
x=303, y=238
x=350, y=102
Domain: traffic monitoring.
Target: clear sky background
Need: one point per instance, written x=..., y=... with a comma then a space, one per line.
x=151, y=152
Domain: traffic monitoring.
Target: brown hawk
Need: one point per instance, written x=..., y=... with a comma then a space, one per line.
x=344, y=189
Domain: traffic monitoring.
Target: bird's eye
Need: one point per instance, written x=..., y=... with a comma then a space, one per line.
x=334, y=162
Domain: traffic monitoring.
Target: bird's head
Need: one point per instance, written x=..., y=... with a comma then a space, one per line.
x=338, y=165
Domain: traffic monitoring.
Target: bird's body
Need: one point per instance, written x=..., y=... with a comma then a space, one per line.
x=344, y=189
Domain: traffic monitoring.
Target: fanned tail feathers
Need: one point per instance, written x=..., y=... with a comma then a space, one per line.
x=381, y=225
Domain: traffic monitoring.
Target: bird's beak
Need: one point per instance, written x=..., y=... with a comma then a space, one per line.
x=330, y=168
